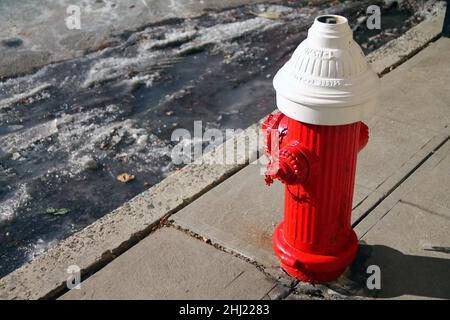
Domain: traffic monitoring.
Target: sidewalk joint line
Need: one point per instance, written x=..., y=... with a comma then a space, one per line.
x=408, y=174
x=240, y=256
x=408, y=56
x=107, y=257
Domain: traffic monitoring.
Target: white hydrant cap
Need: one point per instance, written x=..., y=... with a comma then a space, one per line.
x=327, y=81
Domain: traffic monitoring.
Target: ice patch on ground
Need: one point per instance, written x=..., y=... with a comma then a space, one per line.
x=18, y=141
x=25, y=95
x=147, y=79
x=113, y=68
x=17, y=84
x=9, y=206
x=93, y=134
x=154, y=54
x=220, y=34
x=172, y=38
x=40, y=247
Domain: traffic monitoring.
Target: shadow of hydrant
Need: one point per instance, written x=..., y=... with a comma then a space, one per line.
x=400, y=274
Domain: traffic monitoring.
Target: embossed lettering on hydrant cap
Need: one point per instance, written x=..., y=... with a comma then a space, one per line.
x=327, y=81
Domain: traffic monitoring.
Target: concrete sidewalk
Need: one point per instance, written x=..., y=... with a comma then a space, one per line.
x=220, y=246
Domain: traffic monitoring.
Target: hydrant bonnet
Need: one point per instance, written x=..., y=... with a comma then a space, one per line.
x=327, y=81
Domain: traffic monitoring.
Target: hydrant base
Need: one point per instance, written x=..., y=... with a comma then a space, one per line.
x=312, y=277
x=311, y=267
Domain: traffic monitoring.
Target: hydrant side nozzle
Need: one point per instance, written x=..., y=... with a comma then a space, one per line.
x=291, y=167
x=277, y=171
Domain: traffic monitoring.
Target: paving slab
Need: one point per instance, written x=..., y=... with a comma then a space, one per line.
x=391, y=142
x=241, y=213
x=170, y=264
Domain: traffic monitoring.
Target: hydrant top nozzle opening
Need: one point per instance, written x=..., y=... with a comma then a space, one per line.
x=331, y=19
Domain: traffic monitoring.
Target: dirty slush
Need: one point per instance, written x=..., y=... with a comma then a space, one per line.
x=68, y=130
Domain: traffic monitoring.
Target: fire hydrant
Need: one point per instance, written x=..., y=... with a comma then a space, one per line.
x=323, y=92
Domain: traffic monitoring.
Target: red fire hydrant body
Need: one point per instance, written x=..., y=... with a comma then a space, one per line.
x=315, y=242
x=314, y=154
